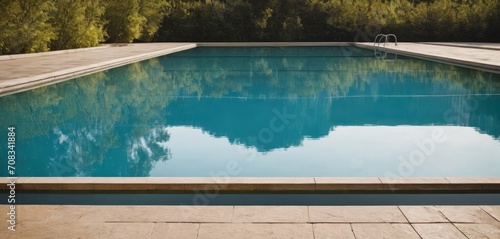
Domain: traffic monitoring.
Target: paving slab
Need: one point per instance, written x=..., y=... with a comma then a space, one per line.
x=27, y=213
x=333, y=231
x=383, y=231
x=255, y=231
x=422, y=214
x=157, y=214
x=270, y=214
x=357, y=214
x=4, y=208
x=175, y=231
x=479, y=231
x=438, y=231
x=466, y=214
x=126, y=230
x=494, y=211
x=67, y=213
x=44, y=230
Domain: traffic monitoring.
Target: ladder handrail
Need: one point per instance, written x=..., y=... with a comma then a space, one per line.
x=385, y=37
x=395, y=38
x=382, y=36
x=379, y=35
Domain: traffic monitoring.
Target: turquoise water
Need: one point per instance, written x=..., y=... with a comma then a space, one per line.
x=291, y=111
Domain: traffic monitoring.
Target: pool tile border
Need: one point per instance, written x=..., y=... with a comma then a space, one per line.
x=305, y=184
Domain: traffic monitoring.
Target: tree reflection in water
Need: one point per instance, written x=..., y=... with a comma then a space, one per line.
x=115, y=123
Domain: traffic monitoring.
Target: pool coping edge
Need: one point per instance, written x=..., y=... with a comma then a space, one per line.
x=250, y=184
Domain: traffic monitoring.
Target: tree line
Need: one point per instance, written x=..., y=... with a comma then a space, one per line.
x=40, y=25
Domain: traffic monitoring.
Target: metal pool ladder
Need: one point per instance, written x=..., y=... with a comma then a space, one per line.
x=381, y=53
x=384, y=38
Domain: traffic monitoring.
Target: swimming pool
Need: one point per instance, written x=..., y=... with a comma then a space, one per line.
x=261, y=111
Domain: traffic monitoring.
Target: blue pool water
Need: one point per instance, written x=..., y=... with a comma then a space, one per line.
x=271, y=111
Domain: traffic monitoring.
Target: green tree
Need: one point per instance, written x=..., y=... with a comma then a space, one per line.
x=153, y=11
x=42, y=25
x=261, y=21
x=472, y=19
x=493, y=22
x=77, y=23
x=441, y=19
x=128, y=20
x=239, y=11
x=24, y=27
x=340, y=17
x=124, y=23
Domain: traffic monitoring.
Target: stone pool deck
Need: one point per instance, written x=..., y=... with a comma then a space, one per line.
x=485, y=56
x=24, y=72
x=269, y=222
x=27, y=71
